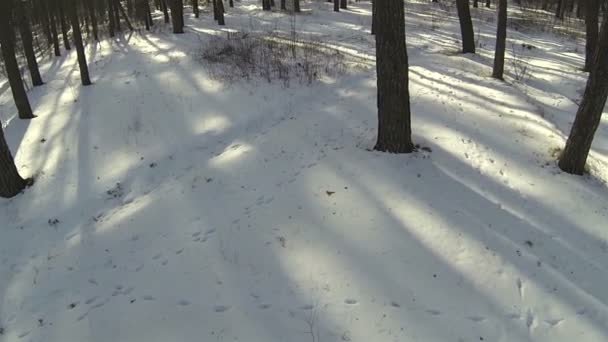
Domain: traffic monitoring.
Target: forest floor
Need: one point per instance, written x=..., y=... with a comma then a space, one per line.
x=170, y=205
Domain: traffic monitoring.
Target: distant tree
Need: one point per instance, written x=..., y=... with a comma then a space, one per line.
x=589, y=113
x=394, y=123
x=82, y=60
x=51, y=15
x=7, y=45
x=336, y=5
x=63, y=25
x=374, y=17
x=488, y=3
x=266, y=6
x=591, y=23
x=111, y=18
x=90, y=7
x=501, y=37
x=296, y=6
x=195, y=8
x=163, y=6
x=177, y=16
x=466, y=26
x=283, y=5
x=343, y=4
x=25, y=31
x=475, y=3
x=11, y=182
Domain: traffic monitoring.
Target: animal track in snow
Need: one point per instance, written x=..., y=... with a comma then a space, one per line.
x=148, y=298
x=183, y=302
x=264, y=306
x=476, y=319
x=554, y=322
x=350, y=301
x=433, y=312
x=307, y=307
x=221, y=308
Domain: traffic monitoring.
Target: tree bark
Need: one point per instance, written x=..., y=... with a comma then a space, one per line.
x=265, y=5
x=501, y=38
x=111, y=25
x=63, y=25
x=7, y=45
x=589, y=113
x=177, y=16
x=25, y=32
x=591, y=23
x=82, y=60
x=466, y=26
x=374, y=16
x=124, y=15
x=336, y=5
x=11, y=182
x=220, y=12
x=283, y=4
x=394, y=127
x=90, y=7
x=475, y=3
x=163, y=5
x=296, y=6
x=195, y=9
x=343, y=4
x=488, y=3
x=51, y=14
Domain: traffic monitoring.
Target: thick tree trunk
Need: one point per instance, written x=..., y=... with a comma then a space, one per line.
x=130, y=8
x=7, y=45
x=466, y=26
x=11, y=182
x=394, y=127
x=25, y=32
x=55, y=35
x=343, y=4
x=63, y=25
x=82, y=60
x=374, y=16
x=336, y=5
x=501, y=37
x=590, y=110
x=177, y=16
x=591, y=22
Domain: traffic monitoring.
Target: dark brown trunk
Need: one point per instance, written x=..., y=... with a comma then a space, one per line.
x=231, y=3
x=590, y=110
x=63, y=24
x=11, y=182
x=25, y=32
x=283, y=5
x=43, y=18
x=336, y=5
x=163, y=5
x=466, y=26
x=55, y=35
x=7, y=45
x=220, y=12
x=116, y=16
x=82, y=60
x=111, y=25
x=591, y=23
x=394, y=128
x=488, y=3
x=177, y=16
x=130, y=8
x=501, y=38
x=343, y=4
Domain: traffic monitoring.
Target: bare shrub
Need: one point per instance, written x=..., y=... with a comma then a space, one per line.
x=243, y=55
x=520, y=61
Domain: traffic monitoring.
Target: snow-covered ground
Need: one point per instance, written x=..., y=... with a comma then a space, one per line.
x=171, y=207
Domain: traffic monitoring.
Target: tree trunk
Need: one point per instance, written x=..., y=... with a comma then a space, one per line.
x=336, y=5
x=25, y=32
x=591, y=23
x=130, y=8
x=90, y=8
x=51, y=14
x=177, y=16
x=501, y=37
x=394, y=128
x=116, y=15
x=466, y=26
x=7, y=44
x=283, y=4
x=374, y=16
x=82, y=60
x=590, y=110
x=220, y=12
x=64, y=26
x=488, y=3
x=231, y=3
x=475, y=3
x=11, y=182
x=343, y=4
x=124, y=15
x=296, y=6
x=265, y=5
x=163, y=5
x=111, y=17
x=43, y=16
x=195, y=9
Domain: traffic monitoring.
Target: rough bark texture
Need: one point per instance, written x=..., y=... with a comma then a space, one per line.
x=501, y=37
x=25, y=32
x=11, y=182
x=7, y=43
x=177, y=16
x=590, y=110
x=394, y=130
x=591, y=22
x=82, y=60
x=466, y=26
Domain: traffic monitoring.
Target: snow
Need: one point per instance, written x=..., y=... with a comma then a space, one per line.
x=170, y=206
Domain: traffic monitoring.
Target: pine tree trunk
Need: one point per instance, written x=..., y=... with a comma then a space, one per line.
x=42, y=13
x=283, y=4
x=149, y=13
x=124, y=15
x=25, y=32
x=394, y=128
x=590, y=110
x=475, y=3
x=488, y=3
x=116, y=16
x=374, y=16
x=82, y=60
x=130, y=8
x=11, y=182
x=336, y=5
x=343, y=4
x=265, y=5
x=220, y=12
x=296, y=6
x=163, y=5
x=501, y=37
x=7, y=45
x=466, y=26
x=195, y=9
x=231, y=3
x=177, y=16
x=51, y=14
x=111, y=25
x=63, y=25
x=591, y=23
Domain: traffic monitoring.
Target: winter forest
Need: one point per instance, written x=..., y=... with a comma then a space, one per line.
x=303, y=170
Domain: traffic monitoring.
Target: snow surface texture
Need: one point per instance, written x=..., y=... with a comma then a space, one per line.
x=170, y=207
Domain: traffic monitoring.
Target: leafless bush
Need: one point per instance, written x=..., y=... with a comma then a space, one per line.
x=243, y=55
x=520, y=61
